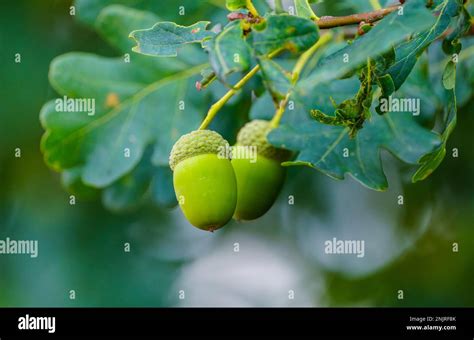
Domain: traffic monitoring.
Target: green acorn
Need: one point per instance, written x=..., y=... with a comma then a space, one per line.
x=259, y=180
x=204, y=180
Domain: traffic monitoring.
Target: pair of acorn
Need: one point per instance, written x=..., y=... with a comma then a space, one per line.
x=211, y=189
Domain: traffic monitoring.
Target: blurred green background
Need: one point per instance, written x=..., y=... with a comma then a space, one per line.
x=81, y=247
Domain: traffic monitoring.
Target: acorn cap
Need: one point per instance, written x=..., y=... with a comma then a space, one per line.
x=254, y=133
x=195, y=143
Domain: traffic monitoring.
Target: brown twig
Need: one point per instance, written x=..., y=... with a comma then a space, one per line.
x=351, y=33
x=353, y=19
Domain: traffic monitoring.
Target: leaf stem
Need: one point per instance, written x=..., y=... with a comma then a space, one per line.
x=280, y=111
x=375, y=4
x=215, y=108
x=313, y=15
x=297, y=69
x=303, y=59
x=252, y=9
x=279, y=6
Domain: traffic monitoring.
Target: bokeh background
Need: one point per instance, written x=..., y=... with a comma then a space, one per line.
x=81, y=247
